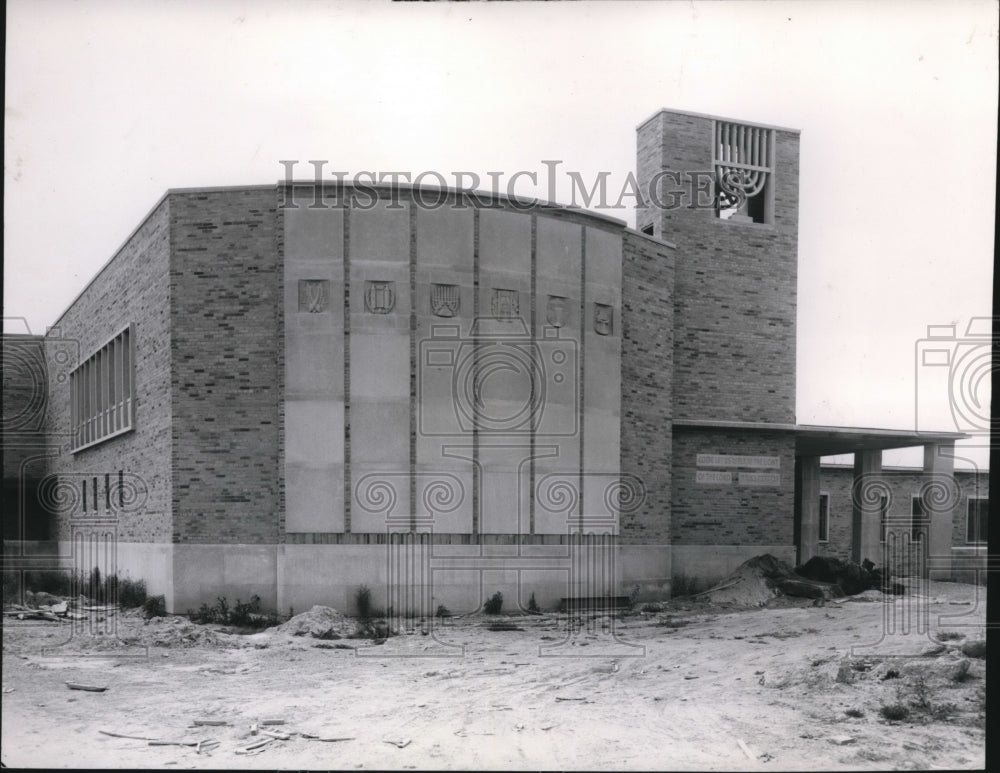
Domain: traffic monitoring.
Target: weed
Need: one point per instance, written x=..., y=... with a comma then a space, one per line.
x=949, y=635
x=533, y=606
x=961, y=672
x=856, y=713
x=242, y=615
x=892, y=673
x=363, y=602
x=154, y=606
x=442, y=611
x=921, y=694
x=494, y=604
x=894, y=712
x=130, y=593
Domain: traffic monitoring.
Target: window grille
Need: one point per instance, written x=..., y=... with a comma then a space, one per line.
x=744, y=168
x=101, y=393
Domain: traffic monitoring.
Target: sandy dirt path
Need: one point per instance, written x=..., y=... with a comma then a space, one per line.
x=694, y=686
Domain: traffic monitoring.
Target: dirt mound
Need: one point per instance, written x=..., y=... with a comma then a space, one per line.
x=763, y=578
x=319, y=622
x=752, y=583
x=847, y=574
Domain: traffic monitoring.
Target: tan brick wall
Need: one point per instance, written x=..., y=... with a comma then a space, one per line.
x=227, y=375
x=133, y=288
x=647, y=371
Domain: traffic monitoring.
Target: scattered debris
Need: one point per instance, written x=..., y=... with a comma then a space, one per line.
x=272, y=722
x=841, y=740
x=209, y=722
x=86, y=687
x=399, y=744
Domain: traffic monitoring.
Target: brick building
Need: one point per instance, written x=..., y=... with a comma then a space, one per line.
x=296, y=389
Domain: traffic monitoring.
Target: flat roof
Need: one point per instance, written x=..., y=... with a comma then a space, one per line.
x=718, y=118
x=816, y=440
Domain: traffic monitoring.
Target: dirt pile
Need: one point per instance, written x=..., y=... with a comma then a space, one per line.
x=319, y=622
x=762, y=578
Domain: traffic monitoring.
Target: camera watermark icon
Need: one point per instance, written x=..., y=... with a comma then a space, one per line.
x=908, y=522
x=957, y=368
x=498, y=380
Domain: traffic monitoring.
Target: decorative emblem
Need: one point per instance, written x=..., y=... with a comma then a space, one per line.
x=505, y=304
x=556, y=311
x=444, y=300
x=603, y=319
x=313, y=295
x=380, y=297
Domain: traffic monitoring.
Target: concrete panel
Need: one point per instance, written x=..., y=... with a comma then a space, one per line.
x=314, y=499
x=604, y=257
x=314, y=364
x=558, y=249
x=380, y=432
x=381, y=233
x=446, y=495
x=380, y=366
x=314, y=433
x=504, y=241
x=444, y=237
x=204, y=572
x=649, y=567
x=313, y=234
x=601, y=442
x=379, y=490
x=504, y=503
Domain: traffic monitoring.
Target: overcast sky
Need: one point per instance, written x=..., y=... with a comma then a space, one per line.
x=109, y=104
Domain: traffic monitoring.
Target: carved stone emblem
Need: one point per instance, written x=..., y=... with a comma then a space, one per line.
x=444, y=300
x=314, y=295
x=505, y=305
x=380, y=297
x=557, y=311
x=603, y=319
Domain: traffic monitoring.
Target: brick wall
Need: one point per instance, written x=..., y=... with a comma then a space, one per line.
x=647, y=370
x=903, y=484
x=227, y=376
x=735, y=283
x=132, y=289
x=732, y=513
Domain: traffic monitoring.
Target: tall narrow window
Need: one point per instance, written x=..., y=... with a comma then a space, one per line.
x=883, y=514
x=824, y=517
x=918, y=517
x=975, y=529
x=744, y=170
x=101, y=393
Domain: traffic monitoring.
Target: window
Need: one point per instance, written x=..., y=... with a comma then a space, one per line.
x=824, y=517
x=883, y=510
x=918, y=518
x=744, y=167
x=975, y=531
x=101, y=393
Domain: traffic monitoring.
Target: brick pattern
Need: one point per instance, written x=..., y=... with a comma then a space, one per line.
x=647, y=372
x=735, y=283
x=133, y=288
x=732, y=513
x=903, y=484
x=226, y=288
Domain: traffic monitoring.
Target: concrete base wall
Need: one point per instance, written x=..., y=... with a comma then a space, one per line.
x=710, y=563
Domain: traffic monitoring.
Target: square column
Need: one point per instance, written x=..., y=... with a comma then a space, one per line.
x=940, y=496
x=866, y=526
x=807, y=505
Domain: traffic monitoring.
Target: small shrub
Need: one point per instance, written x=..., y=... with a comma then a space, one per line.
x=243, y=615
x=442, y=611
x=949, y=636
x=131, y=593
x=942, y=711
x=892, y=673
x=894, y=712
x=154, y=606
x=494, y=604
x=921, y=694
x=856, y=713
x=533, y=606
x=363, y=602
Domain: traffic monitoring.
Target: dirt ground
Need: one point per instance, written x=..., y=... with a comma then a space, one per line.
x=689, y=686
